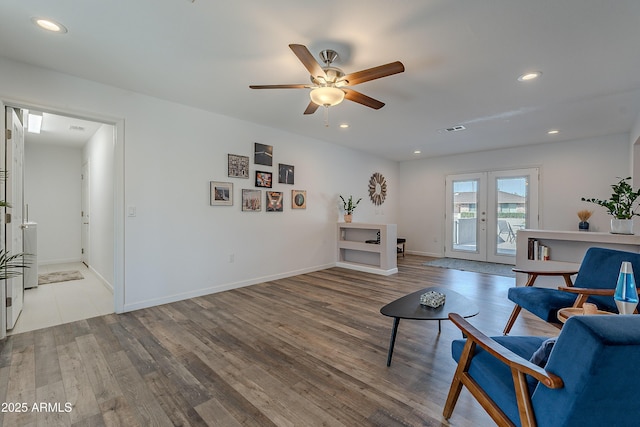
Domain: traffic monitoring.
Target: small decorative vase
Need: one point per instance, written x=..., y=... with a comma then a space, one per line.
x=621, y=226
x=626, y=295
x=583, y=226
x=348, y=217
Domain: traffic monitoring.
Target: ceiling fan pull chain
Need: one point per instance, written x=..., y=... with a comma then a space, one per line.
x=326, y=116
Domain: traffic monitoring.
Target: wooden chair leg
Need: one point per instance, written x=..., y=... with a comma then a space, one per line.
x=456, y=382
x=512, y=319
x=531, y=278
x=525, y=409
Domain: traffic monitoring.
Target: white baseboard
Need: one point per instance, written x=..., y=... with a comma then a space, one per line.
x=59, y=261
x=367, y=269
x=219, y=288
x=104, y=281
x=431, y=254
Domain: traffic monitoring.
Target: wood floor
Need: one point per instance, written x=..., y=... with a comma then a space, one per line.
x=303, y=351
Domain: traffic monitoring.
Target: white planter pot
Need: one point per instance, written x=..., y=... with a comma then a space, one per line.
x=621, y=226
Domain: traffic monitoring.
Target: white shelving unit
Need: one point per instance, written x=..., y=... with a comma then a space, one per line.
x=567, y=248
x=356, y=254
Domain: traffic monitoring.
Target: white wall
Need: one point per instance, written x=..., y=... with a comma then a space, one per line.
x=98, y=153
x=178, y=246
x=52, y=191
x=568, y=171
x=634, y=142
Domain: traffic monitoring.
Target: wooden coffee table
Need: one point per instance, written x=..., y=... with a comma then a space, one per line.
x=409, y=307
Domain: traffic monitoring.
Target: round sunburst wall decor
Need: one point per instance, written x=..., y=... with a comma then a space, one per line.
x=377, y=188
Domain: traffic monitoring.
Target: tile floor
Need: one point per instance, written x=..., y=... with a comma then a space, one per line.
x=64, y=302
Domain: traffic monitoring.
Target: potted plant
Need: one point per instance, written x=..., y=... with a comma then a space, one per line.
x=349, y=206
x=620, y=205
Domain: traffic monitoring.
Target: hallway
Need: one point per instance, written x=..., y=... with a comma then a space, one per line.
x=64, y=302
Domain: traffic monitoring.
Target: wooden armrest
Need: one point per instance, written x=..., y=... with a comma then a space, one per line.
x=546, y=273
x=588, y=291
x=505, y=355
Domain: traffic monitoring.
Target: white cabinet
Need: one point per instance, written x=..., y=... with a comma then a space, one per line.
x=355, y=253
x=566, y=250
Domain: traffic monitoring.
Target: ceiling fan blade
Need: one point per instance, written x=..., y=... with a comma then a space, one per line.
x=307, y=60
x=374, y=73
x=311, y=108
x=294, y=86
x=360, y=98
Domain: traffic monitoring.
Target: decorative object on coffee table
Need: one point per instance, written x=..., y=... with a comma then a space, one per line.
x=432, y=299
x=620, y=205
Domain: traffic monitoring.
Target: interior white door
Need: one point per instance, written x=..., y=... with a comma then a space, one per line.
x=14, y=191
x=84, y=216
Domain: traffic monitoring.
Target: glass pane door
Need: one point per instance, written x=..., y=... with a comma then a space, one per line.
x=514, y=204
x=466, y=217
x=486, y=210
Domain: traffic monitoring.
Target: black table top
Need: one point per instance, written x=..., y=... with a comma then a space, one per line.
x=409, y=307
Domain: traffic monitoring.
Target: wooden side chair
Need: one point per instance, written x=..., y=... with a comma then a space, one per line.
x=595, y=283
x=589, y=379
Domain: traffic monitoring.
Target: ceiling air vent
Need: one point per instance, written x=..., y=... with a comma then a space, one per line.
x=455, y=128
x=76, y=128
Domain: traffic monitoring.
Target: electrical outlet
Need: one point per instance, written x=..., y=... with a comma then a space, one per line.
x=232, y=258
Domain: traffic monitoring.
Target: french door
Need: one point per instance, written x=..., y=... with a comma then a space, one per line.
x=485, y=210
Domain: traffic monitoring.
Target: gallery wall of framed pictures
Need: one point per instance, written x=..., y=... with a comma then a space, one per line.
x=253, y=199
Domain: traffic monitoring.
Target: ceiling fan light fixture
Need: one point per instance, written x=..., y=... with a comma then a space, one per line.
x=327, y=96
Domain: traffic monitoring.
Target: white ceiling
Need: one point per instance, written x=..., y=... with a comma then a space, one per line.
x=462, y=60
x=63, y=131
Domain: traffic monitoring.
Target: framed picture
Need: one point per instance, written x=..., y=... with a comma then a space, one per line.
x=263, y=154
x=285, y=174
x=274, y=201
x=251, y=200
x=298, y=199
x=238, y=166
x=264, y=179
x=221, y=193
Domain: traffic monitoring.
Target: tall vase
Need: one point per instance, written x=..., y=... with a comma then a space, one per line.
x=626, y=295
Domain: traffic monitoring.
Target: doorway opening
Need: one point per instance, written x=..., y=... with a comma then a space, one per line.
x=58, y=199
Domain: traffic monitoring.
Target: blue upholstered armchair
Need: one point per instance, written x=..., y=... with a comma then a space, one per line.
x=590, y=379
x=595, y=283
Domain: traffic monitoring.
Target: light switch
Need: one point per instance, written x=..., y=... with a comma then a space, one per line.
x=131, y=211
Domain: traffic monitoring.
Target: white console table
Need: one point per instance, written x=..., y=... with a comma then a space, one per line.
x=567, y=248
x=377, y=258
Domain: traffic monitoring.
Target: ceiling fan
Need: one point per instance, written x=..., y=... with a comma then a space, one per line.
x=330, y=85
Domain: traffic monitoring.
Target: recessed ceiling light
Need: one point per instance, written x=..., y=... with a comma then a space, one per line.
x=49, y=25
x=553, y=131
x=417, y=152
x=344, y=125
x=529, y=76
